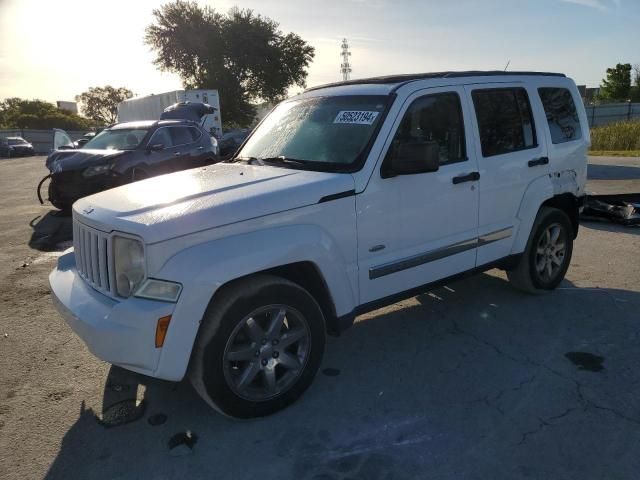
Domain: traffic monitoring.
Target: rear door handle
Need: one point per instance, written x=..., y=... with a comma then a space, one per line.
x=470, y=177
x=539, y=161
x=176, y=154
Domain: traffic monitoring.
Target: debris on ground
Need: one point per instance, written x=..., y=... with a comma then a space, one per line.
x=586, y=361
x=121, y=413
x=623, y=208
x=182, y=443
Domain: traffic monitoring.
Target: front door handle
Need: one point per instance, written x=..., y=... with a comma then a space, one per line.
x=176, y=154
x=539, y=161
x=470, y=177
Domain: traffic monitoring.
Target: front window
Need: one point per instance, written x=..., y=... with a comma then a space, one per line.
x=326, y=133
x=17, y=141
x=117, y=139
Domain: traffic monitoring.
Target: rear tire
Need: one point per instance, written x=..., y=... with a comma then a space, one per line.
x=259, y=347
x=547, y=256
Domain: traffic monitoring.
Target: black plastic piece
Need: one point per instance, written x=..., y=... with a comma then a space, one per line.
x=336, y=196
x=539, y=161
x=471, y=177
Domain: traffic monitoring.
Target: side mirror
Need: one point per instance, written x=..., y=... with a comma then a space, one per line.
x=156, y=147
x=408, y=158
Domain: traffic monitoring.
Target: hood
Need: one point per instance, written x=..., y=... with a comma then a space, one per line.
x=186, y=202
x=65, y=160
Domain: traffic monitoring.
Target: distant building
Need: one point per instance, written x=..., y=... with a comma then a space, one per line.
x=68, y=106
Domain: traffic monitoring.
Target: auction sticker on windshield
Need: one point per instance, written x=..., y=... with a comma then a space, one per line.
x=358, y=117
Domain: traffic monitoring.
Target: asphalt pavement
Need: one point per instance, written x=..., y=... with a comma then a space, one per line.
x=473, y=380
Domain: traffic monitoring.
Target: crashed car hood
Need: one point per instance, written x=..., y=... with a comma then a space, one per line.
x=185, y=202
x=65, y=160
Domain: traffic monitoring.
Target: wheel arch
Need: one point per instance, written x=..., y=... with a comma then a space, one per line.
x=544, y=192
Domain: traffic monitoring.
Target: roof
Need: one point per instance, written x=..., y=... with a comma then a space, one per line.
x=404, y=78
x=148, y=124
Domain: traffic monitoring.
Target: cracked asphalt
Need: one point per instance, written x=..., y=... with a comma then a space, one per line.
x=471, y=381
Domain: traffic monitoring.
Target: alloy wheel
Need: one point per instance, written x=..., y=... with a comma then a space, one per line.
x=266, y=352
x=551, y=252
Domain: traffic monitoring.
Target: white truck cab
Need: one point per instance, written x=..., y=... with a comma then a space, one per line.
x=345, y=198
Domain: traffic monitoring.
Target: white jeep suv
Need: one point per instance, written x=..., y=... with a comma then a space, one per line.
x=345, y=198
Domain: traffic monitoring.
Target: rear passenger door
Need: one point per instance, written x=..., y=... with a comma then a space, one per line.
x=511, y=151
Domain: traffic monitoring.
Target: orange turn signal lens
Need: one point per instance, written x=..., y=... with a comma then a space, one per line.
x=161, y=330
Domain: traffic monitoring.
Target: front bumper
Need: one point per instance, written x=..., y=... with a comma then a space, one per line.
x=67, y=187
x=118, y=332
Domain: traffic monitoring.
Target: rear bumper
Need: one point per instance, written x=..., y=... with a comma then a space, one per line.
x=118, y=332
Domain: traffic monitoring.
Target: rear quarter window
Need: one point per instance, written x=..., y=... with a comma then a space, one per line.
x=562, y=116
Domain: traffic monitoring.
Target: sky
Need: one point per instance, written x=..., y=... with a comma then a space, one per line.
x=55, y=50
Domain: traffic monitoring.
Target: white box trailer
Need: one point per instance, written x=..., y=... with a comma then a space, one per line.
x=151, y=107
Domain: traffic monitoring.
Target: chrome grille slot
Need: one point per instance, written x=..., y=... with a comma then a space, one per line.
x=93, y=257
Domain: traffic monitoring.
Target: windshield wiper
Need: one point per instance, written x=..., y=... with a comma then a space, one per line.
x=282, y=160
x=249, y=160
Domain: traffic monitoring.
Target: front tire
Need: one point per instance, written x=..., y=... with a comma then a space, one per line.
x=547, y=256
x=259, y=347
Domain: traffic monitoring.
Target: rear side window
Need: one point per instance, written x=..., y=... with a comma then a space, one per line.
x=505, y=121
x=195, y=133
x=435, y=118
x=180, y=135
x=562, y=116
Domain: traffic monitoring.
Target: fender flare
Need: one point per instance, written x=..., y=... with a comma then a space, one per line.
x=539, y=190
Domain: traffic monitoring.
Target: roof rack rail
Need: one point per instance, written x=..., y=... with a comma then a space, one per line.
x=410, y=77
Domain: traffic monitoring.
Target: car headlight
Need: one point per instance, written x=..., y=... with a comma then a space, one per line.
x=129, y=264
x=96, y=170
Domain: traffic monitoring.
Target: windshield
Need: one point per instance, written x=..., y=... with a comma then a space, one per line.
x=321, y=130
x=118, y=139
x=16, y=141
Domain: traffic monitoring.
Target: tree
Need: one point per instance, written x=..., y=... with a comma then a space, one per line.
x=635, y=89
x=101, y=103
x=241, y=54
x=20, y=113
x=617, y=85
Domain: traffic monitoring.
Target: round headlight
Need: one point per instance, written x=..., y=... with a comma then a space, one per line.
x=129, y=265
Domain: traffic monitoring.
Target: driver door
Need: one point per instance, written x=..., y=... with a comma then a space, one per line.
x=418, y=228
x=160, y=161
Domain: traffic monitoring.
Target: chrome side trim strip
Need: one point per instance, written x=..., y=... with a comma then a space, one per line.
x=422, y=258
x=495, y=236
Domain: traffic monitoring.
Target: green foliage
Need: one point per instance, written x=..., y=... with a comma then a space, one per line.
x=37, y=114
x=241, y=54
x=617, y=85
x=616, y=136
x=101, y=103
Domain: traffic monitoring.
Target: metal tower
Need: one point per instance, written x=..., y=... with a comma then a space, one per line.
x=345, y=66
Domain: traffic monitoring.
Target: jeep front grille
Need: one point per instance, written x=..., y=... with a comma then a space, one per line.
x=93, y=257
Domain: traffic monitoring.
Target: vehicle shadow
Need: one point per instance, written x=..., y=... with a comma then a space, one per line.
x=470, y=380
x=606, y=226
x=52, y=231
x=612, y=172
